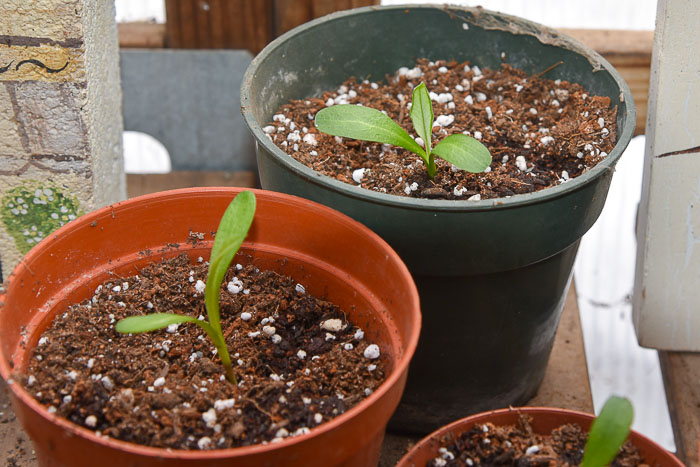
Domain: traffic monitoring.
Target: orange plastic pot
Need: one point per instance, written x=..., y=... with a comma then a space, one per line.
x=544, y=420
x=333, y=255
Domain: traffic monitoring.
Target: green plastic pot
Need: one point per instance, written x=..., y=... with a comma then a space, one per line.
x=492, y=274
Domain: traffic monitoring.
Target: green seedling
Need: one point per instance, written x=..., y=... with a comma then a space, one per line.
x=232, y=230
x=364, y=123
x=608, y=432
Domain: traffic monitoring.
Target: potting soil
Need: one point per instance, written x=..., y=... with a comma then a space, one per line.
x=299, y=361
x=540, y=132
x=519, y=445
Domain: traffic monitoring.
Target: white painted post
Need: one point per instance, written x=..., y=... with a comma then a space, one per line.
x=60, y=117
x=667, y=283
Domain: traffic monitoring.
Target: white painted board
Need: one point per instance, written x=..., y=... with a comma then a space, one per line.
x=667, y=280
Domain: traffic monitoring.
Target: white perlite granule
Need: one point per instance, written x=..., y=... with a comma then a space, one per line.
x=372, y=352
x=209, y=418
x=333, y=325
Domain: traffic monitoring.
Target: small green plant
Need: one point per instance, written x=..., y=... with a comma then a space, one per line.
x=608, y=432
x=364, y=123
x=232, y=230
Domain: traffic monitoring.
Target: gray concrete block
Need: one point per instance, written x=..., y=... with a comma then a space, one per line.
x=189, y=100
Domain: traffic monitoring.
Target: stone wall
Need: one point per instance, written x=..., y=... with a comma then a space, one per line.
x=60, y=118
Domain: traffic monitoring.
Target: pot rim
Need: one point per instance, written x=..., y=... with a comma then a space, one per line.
x=483, y=417
x=519, y=26
x=400, y=365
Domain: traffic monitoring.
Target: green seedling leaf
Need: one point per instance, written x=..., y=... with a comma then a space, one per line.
x=152, y=322
x=358, y=122
x=608, y=432
x=465, y=152
x=422, y=118
x=422, y=114
x=233, y=228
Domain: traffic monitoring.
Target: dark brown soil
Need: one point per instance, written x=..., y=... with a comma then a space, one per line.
x=166, y=388
x=489, y=445
x=558, y=128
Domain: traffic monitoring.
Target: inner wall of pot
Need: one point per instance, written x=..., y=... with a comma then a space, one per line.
x=320, y=279
x=365, y=46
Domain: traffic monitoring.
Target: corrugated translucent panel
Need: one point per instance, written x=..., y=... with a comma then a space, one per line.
x=604, y=275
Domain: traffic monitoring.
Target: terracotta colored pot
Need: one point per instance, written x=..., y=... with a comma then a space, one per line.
x=544, y=420
x=330, y=253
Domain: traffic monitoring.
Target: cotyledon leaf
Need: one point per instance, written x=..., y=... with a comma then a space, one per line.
x=464, y=152
x=422, y=114
x=365, y=123
x=151, y=322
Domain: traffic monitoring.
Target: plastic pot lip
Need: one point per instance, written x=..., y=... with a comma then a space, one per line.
x=400, y=365
x=564, y=414
x=351, y=191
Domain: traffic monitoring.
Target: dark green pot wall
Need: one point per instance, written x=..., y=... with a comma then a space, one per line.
x=480, y=264
x=486, y=343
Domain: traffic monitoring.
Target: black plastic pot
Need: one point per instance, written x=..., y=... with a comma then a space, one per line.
x=492, y=274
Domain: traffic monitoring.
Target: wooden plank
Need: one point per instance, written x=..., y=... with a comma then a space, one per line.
x=566, y=381
x=289, y=14
x=188, y=24
x=258, y=19
x=217, y=24
x=243, y=24
x=141, y=35
x=681, y=372
x=233, y=25
x=202, y=23
x=626, y=48
x=141, y=184
x=609, y=42
x=565, y=384
x=324, y=7
x=173, y=34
